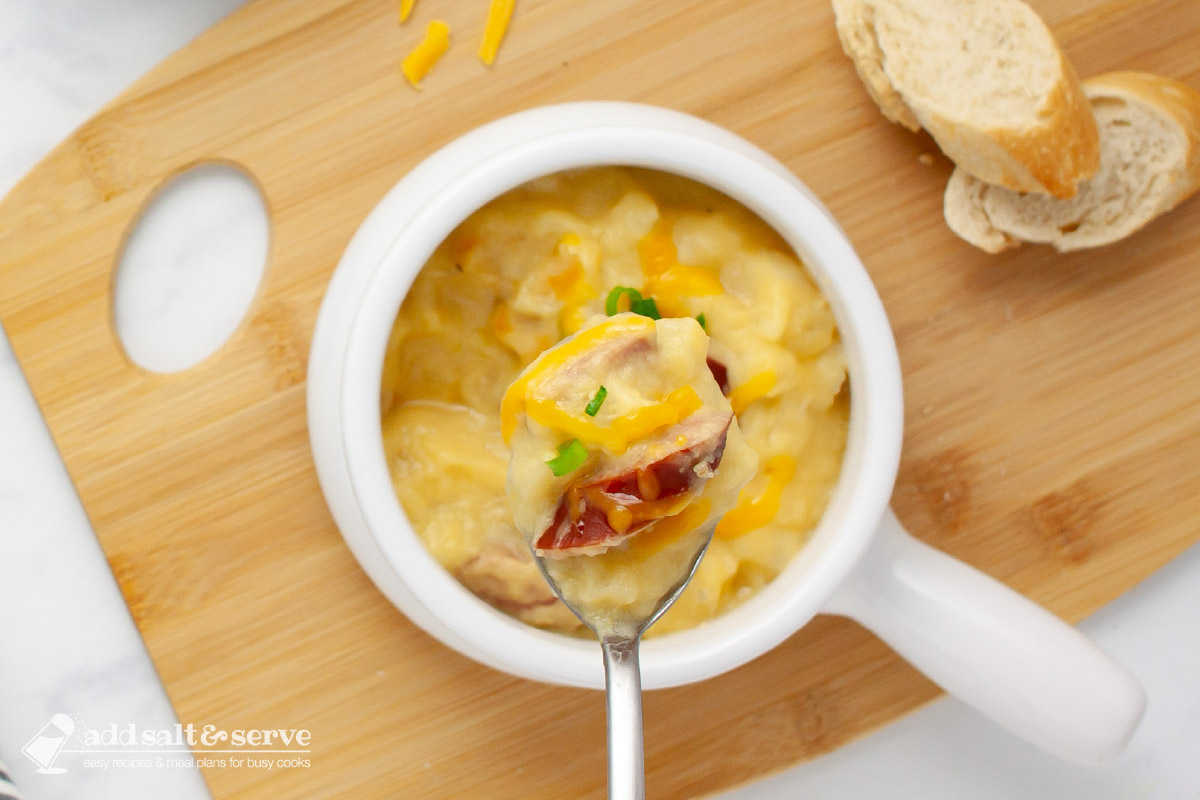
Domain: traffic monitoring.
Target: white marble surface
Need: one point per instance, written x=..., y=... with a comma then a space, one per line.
x=69, y=645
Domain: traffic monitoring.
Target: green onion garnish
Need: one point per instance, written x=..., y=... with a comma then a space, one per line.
x=703, y=322
x=610, y=302
x=594, y=404
x=643, y=306
x=571, y=456
x=646, y=307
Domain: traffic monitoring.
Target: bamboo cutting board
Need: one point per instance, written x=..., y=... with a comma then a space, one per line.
x=1054, y=401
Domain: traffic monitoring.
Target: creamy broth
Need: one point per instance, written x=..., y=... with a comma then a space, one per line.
x=533, y=266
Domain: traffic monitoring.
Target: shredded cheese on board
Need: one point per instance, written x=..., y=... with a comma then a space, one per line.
x=422, y=58
x=406, y=7
x=499, y=13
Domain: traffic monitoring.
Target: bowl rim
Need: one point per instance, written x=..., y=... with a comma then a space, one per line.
x=710, y=155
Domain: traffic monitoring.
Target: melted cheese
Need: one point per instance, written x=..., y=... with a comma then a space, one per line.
x=416, y=64
x=621, y=518
x=756, y=509
x=618, y=434
x=669, y=530
x=754, y=389
x=514, y=399
x=566, y=285
x=666, y=280
x=571, y=287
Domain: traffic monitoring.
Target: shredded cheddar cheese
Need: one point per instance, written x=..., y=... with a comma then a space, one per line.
x=571, y=287
x=754, y=389
x=513, y=402
x=417, y=63
x=756, y=510
x=620, y=517
x=666, y=279
x=406, y=7
x=667, y=530
x=618, y=434
x=640, y=423
x=686, y=281
x=499, y=13
x=657, y=249
x=565, y=284
x=574, y=291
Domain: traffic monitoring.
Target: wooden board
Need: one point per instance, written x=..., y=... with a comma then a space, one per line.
x=1053, y=401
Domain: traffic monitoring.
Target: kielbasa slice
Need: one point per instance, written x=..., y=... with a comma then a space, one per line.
x=652, y=480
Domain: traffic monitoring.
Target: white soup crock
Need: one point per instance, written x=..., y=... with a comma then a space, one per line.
x=979, y=640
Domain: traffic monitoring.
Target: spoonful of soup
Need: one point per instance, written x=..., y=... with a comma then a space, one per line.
x=625, y=453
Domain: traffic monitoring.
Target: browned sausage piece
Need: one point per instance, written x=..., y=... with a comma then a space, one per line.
x=652, y=480
x=720, y=374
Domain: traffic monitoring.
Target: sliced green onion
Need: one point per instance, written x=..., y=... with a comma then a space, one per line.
x=703, y=322
x=643, y=306
x=594, y=404
x=646, y=307
x=610, y=302
x=571, y=456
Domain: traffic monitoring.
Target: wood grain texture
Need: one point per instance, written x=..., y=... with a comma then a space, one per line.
x=1053, y=401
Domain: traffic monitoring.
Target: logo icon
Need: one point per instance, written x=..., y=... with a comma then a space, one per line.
x=45, y=746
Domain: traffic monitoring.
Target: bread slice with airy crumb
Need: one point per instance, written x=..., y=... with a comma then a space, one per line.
x=985, y=78
x=1149, y=163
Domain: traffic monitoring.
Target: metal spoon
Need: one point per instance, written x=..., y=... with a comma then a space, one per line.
x=623, y=680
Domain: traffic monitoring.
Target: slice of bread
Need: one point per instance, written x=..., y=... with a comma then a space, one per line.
x=1149, y=163
x=985, y=78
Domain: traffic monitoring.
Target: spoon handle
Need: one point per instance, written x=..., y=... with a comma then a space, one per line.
x=623, y=681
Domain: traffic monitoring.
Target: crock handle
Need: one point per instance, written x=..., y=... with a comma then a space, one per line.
x=992, y=648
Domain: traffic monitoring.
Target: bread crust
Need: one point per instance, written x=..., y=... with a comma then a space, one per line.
x=963, y=203
x=1175, y=99
x=855, y=21
x=1050, y=156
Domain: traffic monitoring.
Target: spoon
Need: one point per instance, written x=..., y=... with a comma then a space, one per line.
x=620, y=539
x=623, y=678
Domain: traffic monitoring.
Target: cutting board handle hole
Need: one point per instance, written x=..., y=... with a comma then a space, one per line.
x=190, y=267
